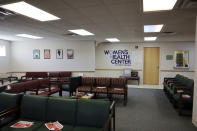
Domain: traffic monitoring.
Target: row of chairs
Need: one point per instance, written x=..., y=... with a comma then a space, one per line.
x=38, y=87
x=179, y=91
x=54, y=76
x=104, y=85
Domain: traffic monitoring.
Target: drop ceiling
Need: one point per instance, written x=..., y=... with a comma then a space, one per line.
x=122, y=19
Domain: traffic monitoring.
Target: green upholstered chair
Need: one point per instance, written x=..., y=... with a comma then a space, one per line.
x=91, y=115
x=32, y=109
x=183, y=95
x=8, y=102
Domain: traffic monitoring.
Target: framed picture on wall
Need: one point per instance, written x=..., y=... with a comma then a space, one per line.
x=70, y=54
x=47, y=54
x=59, y=54
x=36, y=54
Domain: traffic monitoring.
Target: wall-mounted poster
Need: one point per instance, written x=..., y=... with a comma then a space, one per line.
x=36, y=54
x=59, y=54
x=70, y=54
x=47, y=54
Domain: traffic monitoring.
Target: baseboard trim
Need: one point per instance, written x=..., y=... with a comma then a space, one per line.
x=195, y=123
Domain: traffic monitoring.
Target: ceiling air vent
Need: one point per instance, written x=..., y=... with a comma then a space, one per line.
x=186, y=4
x=4, y=12
x=70, y=34
x=168, y=33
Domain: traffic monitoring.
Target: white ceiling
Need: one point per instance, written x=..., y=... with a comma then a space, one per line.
x=123, y=19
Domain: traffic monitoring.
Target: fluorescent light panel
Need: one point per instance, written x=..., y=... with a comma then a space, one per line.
x=29, y=36
x=81, y=32
x=152, y=28
x=28, y=10
x=112, y=39
x=158, y=5
x=150, y=38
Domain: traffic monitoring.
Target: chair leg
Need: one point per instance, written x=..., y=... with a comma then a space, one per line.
x=180, y=107
x=125, y=99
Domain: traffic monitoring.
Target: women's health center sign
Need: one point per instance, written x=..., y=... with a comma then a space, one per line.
x=119, y=57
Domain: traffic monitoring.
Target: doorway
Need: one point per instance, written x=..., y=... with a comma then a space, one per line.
x=151, y=65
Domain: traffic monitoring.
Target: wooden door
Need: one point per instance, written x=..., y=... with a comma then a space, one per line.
x=151, y=65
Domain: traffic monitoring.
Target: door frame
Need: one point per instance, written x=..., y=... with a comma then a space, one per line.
x=159, y=62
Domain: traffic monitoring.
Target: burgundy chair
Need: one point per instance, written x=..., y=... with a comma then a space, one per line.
x=44, y=84
x=16, y=88
x=118, y=86
x=33, y=75
x=64, y=76
x=86, y=84
x=32, y=85
x=54, y=76
x=40, y=75
x=101, y=85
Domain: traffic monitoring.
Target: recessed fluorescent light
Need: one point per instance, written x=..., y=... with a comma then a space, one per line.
x=157, y=5
x=28, y=10
x=29, y=36
x=152, y=28
x=81, y=32
x=112, y=39
x=150, y=38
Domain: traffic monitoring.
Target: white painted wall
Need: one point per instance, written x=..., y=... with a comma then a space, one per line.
x=195, y=85
x=103, y=61
x=22, y=56
x=5, y=60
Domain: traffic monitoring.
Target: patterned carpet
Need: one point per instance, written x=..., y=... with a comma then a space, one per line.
x=150, y=110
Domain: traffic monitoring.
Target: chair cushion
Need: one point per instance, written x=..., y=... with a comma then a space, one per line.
x=65, y=128
x=61, y=109
x=92, y=112
x=33, y=107
x=9, y=100
x=99, y=89
x=34, y=127
x=84, y=88
x=80, y=128
x=116, y=90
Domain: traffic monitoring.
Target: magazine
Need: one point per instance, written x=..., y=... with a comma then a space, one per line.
x=54, y=126
x=22, y=124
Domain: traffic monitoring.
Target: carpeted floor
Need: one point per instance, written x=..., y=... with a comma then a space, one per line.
x=150, y=110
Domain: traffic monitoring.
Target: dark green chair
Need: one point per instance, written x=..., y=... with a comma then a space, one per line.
x=32, y=109
x=8, y=102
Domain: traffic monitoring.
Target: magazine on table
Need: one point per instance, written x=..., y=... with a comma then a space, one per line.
x=54, y=126
x=22, y=124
